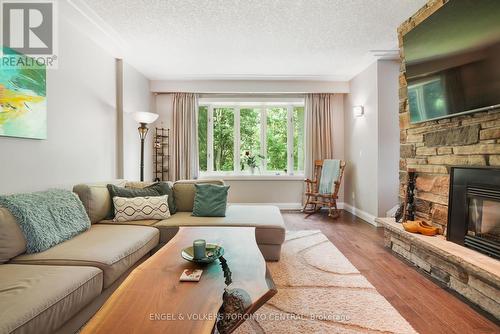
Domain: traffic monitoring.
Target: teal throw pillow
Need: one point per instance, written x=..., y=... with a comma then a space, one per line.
x=210, y=200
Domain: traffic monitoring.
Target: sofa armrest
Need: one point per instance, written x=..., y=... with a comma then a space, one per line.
x=95, y=198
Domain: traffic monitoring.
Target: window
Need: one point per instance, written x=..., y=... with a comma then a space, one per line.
x=223, y=139
x=250, y=130
x=277, y=139
x=202, y=136
x=227, y=132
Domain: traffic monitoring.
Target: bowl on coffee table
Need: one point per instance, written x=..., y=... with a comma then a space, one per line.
x=212, y=253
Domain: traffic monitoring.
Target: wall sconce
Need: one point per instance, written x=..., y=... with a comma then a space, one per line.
x=144, y=118
x=358, y=111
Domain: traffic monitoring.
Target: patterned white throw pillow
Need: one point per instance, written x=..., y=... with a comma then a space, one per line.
x=139, y=208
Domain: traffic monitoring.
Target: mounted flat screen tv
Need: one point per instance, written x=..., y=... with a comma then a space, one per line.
x=452, y=60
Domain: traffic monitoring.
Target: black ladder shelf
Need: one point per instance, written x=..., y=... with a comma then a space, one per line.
x=161, y=147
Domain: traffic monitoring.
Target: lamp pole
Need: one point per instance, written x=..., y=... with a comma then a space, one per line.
x=143, y=131
x=143, y=118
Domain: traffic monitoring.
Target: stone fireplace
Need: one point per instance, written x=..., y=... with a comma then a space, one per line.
x=433, y=147
x=467, y=212
x=474, y=209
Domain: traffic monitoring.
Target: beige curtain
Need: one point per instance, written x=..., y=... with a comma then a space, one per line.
x=185, y=137
x=318, y=129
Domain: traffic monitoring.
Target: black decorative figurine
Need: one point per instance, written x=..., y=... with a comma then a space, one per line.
x=410, y=195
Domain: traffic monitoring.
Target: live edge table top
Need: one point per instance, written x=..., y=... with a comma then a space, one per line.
x=153, y=300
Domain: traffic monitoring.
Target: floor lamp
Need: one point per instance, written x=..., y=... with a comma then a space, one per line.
x=144, y=118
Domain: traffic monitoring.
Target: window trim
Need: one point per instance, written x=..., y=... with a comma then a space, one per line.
x=289, y=138
x=210, y=139
x=236, y=140
x=262, y=107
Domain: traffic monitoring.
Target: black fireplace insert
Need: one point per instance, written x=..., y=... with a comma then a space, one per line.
x=474, y=209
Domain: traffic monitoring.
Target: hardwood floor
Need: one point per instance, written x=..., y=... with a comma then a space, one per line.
x=423, y=303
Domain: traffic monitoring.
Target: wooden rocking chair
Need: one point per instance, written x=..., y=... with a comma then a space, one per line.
x=314, y=199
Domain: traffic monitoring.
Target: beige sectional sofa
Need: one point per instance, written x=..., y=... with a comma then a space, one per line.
x=58, y=290
x=61, y=288
x=269, y=233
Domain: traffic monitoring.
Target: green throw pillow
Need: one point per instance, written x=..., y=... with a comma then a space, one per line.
x=210, y=200
x=156, y=189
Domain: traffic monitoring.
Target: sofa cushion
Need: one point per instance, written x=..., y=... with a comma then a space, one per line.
x=155, y=189
x=145, y=222
x=270, y=228
x=40, y=299
x=184, y=192
x=95, y=198
x=210, y=200
x=142, y=184
x=113, y=249
x=48, y=217
x=12, y=241
x=141, y=208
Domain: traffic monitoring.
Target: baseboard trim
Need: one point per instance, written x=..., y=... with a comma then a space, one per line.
x=363, y=215
x=281, y=206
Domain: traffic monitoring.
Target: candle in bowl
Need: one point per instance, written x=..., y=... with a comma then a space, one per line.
x=199, y=248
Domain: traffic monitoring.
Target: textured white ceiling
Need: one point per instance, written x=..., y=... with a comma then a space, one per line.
x=210, y=39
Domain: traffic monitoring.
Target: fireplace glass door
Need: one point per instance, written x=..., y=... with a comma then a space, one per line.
x=484, y=219
x=483, y=226
x=474, y=209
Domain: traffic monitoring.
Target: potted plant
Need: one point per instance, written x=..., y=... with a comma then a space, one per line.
x=252, y=161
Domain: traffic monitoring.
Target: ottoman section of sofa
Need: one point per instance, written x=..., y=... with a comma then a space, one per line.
x=267, y=220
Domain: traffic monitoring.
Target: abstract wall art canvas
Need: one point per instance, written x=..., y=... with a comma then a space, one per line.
x=23, y=105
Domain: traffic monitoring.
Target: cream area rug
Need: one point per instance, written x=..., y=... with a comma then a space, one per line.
x=320, y=291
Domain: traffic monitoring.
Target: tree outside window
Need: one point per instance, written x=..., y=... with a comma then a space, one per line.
x=276, y=132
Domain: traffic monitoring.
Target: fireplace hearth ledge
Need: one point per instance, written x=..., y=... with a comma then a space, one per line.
x=471, y=274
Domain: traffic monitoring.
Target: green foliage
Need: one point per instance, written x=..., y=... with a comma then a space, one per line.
x=251, y=160
x=250, y=128
x=202, y=136
x=223, y=139
x=276, y=139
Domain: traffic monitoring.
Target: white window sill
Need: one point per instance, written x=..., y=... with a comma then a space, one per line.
x=250, y=177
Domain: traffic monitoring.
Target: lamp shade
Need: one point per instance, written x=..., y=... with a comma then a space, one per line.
x=145, y=117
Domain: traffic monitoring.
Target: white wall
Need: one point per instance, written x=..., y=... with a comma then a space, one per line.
x=136, y=97
x=163, y=104
x=81, y=109
x=361, y=142
x=287, y=194
x=81, y=123
x=249, y=86
x=388, y=135
x=372, y=141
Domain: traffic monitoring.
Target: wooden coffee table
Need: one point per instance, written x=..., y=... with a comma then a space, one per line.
x=153, y=300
